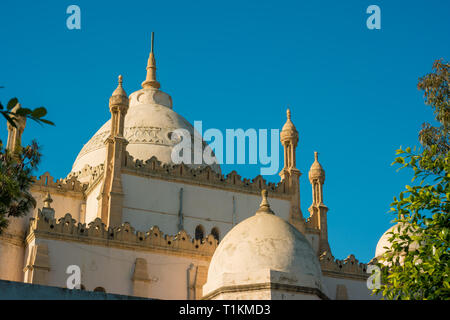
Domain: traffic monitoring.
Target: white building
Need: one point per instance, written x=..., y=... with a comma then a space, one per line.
x=137, y=224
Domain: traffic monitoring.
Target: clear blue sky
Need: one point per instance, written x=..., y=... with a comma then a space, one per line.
x=238, y=64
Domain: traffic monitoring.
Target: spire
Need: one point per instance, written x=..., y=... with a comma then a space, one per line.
x=150, y=80
x=264, y=207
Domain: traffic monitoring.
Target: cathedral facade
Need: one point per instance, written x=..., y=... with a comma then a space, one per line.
x=137, y=224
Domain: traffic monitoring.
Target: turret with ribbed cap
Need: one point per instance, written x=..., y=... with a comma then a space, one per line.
x=316, y=171
x=318, y=210
x=290, y=174
x=118, y=105
x=111, y=193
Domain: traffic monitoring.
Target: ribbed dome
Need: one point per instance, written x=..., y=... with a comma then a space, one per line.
x=264, y=242
x=316, y=170
x=149, y=124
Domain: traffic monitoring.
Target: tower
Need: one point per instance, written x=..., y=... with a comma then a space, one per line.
x=318, y=210
x=290, y=174
x=111, y=194
x=15, y=133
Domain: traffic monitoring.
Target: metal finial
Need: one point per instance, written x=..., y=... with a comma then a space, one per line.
x=153, y=41
x=316, y=156
x=288, y=113
x=120, y=80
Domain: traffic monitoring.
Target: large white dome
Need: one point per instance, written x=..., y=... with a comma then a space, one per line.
x=149, y=124
x=261, y=243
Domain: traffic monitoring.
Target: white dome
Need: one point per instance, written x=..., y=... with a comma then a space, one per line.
x=261, y=243
x=149, y=124
x=384, y=240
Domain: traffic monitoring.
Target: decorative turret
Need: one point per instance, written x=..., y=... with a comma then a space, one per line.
x=47, y=210
x=317, y=179
x=289, y=140
x=318, y=210
x=118, y=105
x=111, y=195
x=15, y=133
x=290, y=174
x=150, y=81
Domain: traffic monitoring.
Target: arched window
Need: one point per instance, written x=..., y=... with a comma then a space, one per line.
x=100, y=289
x=215, y=233
x=199, y=232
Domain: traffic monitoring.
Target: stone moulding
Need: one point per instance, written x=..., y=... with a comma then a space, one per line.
x=202, y=176
x=349, y=267
x=124, y=236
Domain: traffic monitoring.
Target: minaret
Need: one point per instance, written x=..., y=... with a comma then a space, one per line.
x=290, y=174
x=15, y=133
x=150, y=81
x=318, y=210
x=111, y=195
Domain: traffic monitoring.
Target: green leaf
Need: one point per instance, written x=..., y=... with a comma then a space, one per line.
x=12, y=103
x=39, y=112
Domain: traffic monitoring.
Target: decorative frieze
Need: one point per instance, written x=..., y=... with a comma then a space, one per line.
x=96, y=232
x=203, y=176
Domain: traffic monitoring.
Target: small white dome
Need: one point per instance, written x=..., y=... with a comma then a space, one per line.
x=149, y=124
x=384, y=242
x=261, y=243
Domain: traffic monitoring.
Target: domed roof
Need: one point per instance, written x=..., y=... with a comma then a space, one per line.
x=149, y=126
x=259, y=243
x=384, y=240
x=316, y=170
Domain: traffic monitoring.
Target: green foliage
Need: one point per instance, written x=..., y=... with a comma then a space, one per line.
x=416, y=265
x=16, y=180
x=436, y=90
x=418, y=258
x=36, y=114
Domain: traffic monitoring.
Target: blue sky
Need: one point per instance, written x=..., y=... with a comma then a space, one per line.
x=238, y=64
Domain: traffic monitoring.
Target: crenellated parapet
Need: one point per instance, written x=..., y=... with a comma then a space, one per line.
x=46, y=182
x=350, y=267
x=204, y=176
x=88, y=173
x=123, y=236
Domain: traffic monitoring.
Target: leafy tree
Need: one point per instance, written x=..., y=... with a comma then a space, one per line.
x=16, y=180
x=416, y=266
x=17, y=166
x=36, y=114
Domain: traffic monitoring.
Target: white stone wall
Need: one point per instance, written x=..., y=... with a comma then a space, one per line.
x=150, y=202
x=92, y=204
x=112, y=268
x=356, y=289
x=61, y=203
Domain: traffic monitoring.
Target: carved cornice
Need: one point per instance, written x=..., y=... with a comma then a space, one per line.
x=203, y=176
x=123, y=236
x=350, y=267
